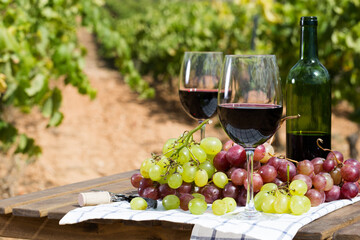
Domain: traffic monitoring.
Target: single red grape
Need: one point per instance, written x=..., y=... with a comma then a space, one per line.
x=349, y=190
x=315, y=196
x=230, y=190
x=185, y=198
x=236, y=155
x=333, y=194
x=268, y=173
x=305, y=167
x=318, y=164
x=135, y=179
x=319, y=182
x=238, y=176
x=257, y=182
x=336, y=175
x=283, y=171
x=350, y=173
x=220, y=162
x=353, y=162
x=259, y=153
x=211, y=193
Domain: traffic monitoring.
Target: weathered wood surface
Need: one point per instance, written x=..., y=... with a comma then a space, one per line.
x=326, y=226
x=37, y=215
x=351, y=232
x=7, y=205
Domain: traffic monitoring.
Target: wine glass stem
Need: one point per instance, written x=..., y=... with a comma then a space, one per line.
x=250, y=208
x=202, y=130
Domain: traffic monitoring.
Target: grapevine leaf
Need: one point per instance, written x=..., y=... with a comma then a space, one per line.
x=37, y=84
x=56, y=119
x=47, y=107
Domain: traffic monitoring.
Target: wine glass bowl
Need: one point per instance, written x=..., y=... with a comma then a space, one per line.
x=250, y=106
x=198, y=84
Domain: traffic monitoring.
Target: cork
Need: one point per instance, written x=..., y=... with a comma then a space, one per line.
x=93, y=198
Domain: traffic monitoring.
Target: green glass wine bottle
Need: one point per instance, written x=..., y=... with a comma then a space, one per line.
x=308, y=93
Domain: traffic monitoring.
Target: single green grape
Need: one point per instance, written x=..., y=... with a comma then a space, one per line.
x=138, y=203
x=220, y=179
x=145, y=167
x=189, y=173
x=269, y=187
x=230, y=204
x=282, y=203
x=171, y=202
x=197, y=206
x=198, y=195
x=211, y=145
x=208, y=167
x=155, y=173
x=184, y=156
x=298, y=187
x=299, y=204
x=197, y=153
x=268, y=204
x=169, y=147
x=175, y=181
x=201, y=178
x=219, y=207
x=259, y=198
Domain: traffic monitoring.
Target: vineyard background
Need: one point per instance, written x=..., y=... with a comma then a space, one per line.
x=131, y=57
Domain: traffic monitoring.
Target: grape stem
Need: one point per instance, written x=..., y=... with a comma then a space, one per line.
x=283, y=157
x=318, y=141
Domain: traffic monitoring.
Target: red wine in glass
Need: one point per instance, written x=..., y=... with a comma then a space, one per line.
x=250, y=124
x=199, y=103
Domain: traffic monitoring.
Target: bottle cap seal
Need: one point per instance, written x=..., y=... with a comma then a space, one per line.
x=308, y=21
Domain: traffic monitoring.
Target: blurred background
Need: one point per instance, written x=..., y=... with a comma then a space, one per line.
x=89, y=87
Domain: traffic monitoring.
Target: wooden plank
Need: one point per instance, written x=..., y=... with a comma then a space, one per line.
x=327, y=225
x=42, y=207
x=351, y=232
x=44, y=229
x=58, y=213
x=6, y=205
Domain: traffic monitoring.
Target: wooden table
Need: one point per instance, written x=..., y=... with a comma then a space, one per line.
x=36, y=216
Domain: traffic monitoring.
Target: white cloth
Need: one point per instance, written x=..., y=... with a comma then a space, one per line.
x=208, y=225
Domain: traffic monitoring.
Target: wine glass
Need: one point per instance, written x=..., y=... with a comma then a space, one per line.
x=250, y=107
x=198, y=84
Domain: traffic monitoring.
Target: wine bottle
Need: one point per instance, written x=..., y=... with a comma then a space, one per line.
x=308, y=93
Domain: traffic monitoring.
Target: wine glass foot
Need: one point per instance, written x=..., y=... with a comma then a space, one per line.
x=248, y=215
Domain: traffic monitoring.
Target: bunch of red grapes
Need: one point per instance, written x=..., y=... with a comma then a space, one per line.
x=327, y=179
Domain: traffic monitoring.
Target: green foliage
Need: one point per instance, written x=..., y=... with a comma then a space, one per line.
x=155, y=39
x=38, y=46
x=114, y=46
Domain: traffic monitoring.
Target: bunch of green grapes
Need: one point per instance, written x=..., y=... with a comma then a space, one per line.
x=291, y=199
x=182, y=160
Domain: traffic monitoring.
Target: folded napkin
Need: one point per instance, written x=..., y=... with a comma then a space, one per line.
x=208, y=225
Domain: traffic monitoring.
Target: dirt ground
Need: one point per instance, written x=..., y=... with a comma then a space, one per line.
x=116, y=131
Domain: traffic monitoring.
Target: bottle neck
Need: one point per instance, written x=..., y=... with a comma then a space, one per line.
x=308, y=42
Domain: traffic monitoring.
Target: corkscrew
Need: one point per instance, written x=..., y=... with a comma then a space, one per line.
x=97, y=197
